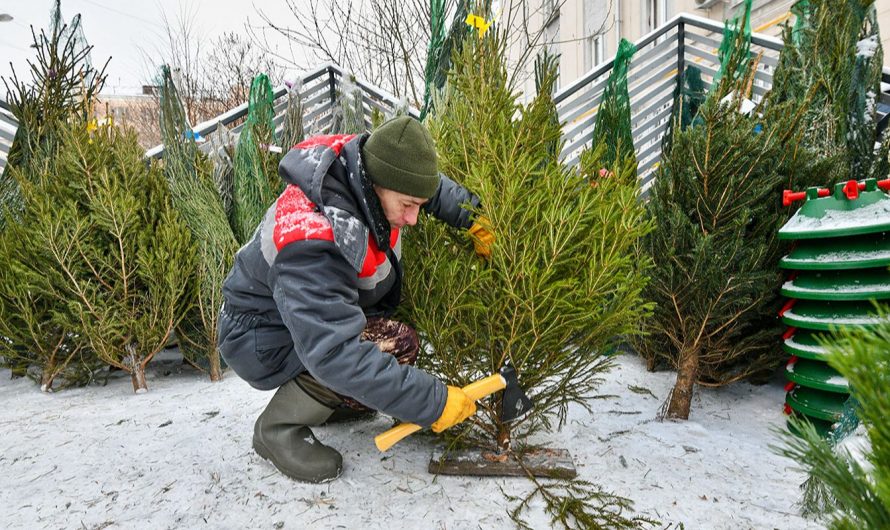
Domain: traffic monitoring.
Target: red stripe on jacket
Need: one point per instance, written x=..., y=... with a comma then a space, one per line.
x=334, y=141
x=375, y=257
x=296, y=219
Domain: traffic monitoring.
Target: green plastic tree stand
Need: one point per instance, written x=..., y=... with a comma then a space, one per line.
x=816, y=374
x=840, y=253
x=838, y=216
x=869, y=284
x=804, y=344
x=817, y=404
x=826, y=316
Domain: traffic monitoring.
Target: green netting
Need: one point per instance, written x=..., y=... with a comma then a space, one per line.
x=442, y=45
x=437, y=39
x=801, y=11
x=731, y=44
x=688, y=98
x=256, y=182
x=612, y=126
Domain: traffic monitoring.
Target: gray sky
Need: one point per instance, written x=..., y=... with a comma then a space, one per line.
x=121, y=29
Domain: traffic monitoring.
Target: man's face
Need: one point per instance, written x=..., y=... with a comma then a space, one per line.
x=400, y=209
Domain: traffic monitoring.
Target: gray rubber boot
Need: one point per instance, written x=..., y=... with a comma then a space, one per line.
x=282, y=437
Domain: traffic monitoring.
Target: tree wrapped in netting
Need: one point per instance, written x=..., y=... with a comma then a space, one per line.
x=221, y=152
x=854, y=474
x=612, y=127
x=443, y=43
x=561, y=283
x=197, y=200
x=736, y=43
x=688, y=98
x=292, y=131
x=716, y=202
x=256, y=182
x=33, y=339
x=349, y=112
x=832, y=61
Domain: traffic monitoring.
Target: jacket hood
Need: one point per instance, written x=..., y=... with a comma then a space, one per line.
x=307, y=166
x=308, y=162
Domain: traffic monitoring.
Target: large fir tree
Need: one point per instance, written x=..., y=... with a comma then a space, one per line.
x=60, y=93
x=717, y=208
x=121, y=257
x=562, y=280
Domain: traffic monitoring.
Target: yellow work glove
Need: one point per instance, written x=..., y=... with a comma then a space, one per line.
x=458, y=408
x=482, y=236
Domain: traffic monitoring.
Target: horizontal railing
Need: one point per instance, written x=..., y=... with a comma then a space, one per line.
x=8, y=127
x=318, y=92
x=661, y=57
x=653, y=75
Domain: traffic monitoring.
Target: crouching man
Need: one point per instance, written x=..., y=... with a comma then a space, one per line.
x=307, y=301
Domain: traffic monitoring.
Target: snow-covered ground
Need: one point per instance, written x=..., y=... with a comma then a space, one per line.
x=179, y=456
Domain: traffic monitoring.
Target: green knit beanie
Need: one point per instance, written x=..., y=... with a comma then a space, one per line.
x=400, y=155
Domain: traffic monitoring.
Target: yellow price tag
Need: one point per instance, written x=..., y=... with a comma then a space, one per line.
x=481, y=25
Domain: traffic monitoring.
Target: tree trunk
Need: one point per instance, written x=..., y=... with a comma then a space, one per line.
x=681, y=395
x=46, y=379
x=503, y=438
x=215, y=368
x=138, y=377
x=137, y=370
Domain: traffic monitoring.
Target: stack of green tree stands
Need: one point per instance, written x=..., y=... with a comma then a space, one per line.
x=838, y=270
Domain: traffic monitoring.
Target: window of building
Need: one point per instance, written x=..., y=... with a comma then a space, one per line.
x=654, y=14
x=595, y=51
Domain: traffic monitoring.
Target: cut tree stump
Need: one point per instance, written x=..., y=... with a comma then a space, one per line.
x=548, y=463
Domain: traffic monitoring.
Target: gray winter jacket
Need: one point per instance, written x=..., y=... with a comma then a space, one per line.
x=322, y=260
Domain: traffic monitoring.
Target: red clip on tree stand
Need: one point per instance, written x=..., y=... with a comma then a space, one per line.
x=851, y=190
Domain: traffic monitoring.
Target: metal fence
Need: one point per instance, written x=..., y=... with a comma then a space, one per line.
x=318, y=94
x=660, y=60
x=8, y=126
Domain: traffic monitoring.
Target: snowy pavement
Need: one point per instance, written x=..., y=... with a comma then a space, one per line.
x=179, y=456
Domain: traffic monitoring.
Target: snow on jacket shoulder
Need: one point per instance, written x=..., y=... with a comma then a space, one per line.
x=322, y=260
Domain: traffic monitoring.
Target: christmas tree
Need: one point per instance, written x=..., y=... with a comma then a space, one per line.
x=562, y=280
x=857, y=485
x=63, y=84
x=292, y=131
x=562, y=270
x=196, y=198
x=717, y=207
x=256, y=182
x=349, y=111
x=831, y=62
x=612, y=127
x=121, y=258
x=35, y=341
